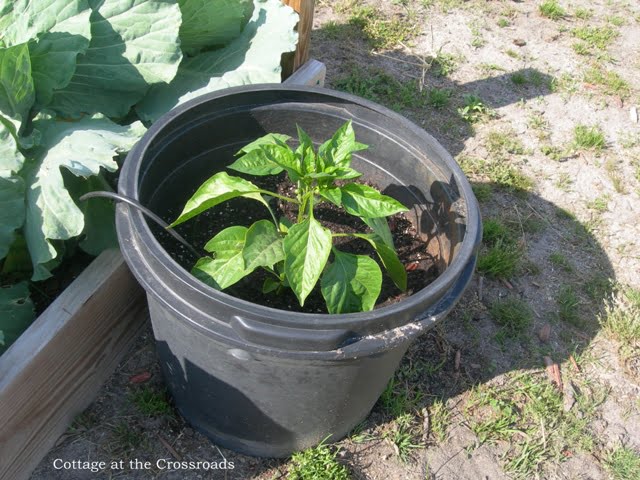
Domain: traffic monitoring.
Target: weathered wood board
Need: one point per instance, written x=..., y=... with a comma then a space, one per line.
x=55, y=369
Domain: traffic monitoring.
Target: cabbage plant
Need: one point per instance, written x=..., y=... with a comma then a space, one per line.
x=80, y=82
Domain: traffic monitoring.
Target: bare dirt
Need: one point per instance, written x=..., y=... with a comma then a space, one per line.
x=578, y=227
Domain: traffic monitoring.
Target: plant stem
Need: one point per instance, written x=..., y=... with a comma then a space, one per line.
x=281, y=197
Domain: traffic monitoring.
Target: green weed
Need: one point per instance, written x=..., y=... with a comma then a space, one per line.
x=589, y=137
x=513, y=315
x=382, y=31
x=151, y=402
x=551, y=9
x=623, y=463
x=317, y=463
x=404, y=436
x=610, y=82
x=568, y=304
x=560, y=261
x=473, y=109
x=596, y=37
x=438, y=97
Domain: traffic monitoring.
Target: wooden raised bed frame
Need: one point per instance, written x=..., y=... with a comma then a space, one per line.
x=55, y=369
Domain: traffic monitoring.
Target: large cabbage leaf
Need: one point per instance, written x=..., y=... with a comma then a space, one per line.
x=253, y=57
x=11, y=187
x=208, y=23
x=83, y=148
x=11, y=210
x=56, y=31
x=134, y=44
x=17, y=92
x=16, y=313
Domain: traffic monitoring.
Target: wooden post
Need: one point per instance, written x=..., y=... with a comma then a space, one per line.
x=291, y=62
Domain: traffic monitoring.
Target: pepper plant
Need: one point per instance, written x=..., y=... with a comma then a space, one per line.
x=297, y=255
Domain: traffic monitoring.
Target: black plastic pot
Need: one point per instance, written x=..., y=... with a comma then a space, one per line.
x=268, y=382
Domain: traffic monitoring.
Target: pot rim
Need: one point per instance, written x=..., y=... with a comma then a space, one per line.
x=128, y=185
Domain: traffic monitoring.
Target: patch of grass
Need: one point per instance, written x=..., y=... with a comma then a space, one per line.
x=499, y=261
x=317, y=463
x=527, y=412
x=473, y=109
x=151, y=402
x=596, y=37
x=551, y=9
x=617, y=180
x=513, y=315
x=623, y=463
x=583, y=13
x=615, y=20
x=494, y=231
x=564, y=182
x=621, y=317
x=598, y=287
x=599, y=204
x=477, y=40
x=589, y=137
x=500, y=143
x=404, y=437
x=503, y=23
x=512, y=53
x=499, y=171
x=519, y=79
x=610, y=82
x=126, y=438
x=501, y=256
x=398, y=398
x=382, y=31
x=439, y=420
x=554, y=153
x=438, y=97
x=379, y=86
x=482, y=191
x=568, y=304
x=444, y=64
x=560, y=261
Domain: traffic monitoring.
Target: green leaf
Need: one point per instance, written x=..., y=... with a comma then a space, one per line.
x=16, y=313
x=337, y=150
x=12, y=210
x=304, y=152
x=227, y=267
x=270, y=284
x=306, y=248
x=134, y=44
x=99, y=214
x=207, y=23
x=17, y=93
x=11, y=160
x=334, y=195
x=285, y=158
x=54, y=54
x=263, y=246
x=217, y=189
x=254, y=160
x=380, y=227
x=227, y=242
x=389, y=259
x=253, y=57
x=351, y=283
x=268, y=139
x=364, y=201
x=29, y=19
x=83, y=148
x=56, y=32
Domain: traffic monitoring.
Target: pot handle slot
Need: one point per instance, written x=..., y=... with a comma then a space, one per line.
x=288, y=338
